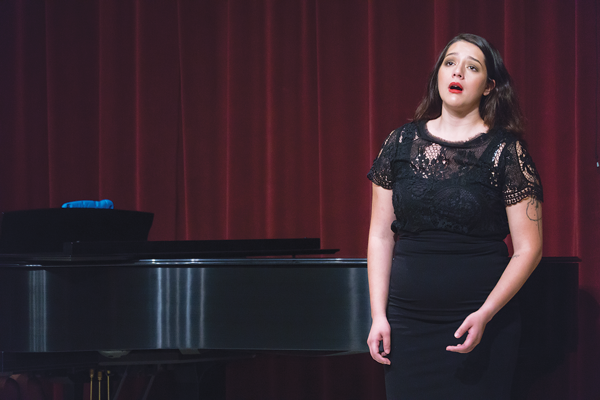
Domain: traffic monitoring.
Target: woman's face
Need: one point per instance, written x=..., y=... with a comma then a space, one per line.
x=462, y=77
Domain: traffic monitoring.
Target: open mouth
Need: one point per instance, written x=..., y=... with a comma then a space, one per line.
x=455, y=87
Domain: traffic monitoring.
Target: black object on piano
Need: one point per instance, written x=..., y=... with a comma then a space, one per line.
x=80, y=234
x=45, y=230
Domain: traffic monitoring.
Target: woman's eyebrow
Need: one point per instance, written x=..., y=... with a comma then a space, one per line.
x=472, y=58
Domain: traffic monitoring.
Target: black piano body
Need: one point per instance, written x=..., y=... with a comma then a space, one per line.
x=284, y=304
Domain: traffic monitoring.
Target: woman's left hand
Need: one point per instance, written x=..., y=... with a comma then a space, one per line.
x=473, y=325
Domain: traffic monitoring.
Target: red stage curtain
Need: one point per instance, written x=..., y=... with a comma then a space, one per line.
x=260, y=119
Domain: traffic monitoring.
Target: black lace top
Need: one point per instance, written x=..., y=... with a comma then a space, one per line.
x=460, y=187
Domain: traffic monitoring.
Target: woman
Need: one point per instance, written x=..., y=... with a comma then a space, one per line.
x=451, y=184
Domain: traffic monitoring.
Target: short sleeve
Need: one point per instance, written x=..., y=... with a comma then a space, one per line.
x=521, y=179
x=381, y=171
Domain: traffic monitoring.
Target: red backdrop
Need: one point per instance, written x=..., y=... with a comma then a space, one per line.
x=260, y=119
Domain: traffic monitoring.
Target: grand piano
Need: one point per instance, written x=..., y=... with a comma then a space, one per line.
x=109, y=303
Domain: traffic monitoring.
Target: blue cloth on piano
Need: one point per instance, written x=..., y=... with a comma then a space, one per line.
x=89, y=204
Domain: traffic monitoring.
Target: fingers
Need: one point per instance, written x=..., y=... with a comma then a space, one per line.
x=376, y=354
x=474, y=333
x=472, y=340
x=387, y=346
x=469, y=344
x=379, y=341
x=461, y=330
x=379, y=347
x=381, y=359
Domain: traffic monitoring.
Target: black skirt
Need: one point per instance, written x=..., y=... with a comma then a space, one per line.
x=437, y=280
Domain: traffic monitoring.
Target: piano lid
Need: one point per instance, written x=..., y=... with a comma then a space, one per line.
x=199, y=248
x=117, y=251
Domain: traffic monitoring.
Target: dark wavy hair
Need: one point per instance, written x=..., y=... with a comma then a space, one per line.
x=499, y=109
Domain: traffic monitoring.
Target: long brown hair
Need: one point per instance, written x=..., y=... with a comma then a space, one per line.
x=499, y=109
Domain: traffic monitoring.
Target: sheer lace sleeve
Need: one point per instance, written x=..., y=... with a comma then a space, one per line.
x=381, y=171
x=521, y=179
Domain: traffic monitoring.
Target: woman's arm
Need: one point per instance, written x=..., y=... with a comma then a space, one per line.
x=525, y=222
x=379, y=262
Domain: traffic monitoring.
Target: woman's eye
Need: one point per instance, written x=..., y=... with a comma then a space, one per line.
x=448, y=63
x=473, y=68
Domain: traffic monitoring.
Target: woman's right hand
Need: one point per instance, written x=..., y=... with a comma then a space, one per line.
x=380, y=332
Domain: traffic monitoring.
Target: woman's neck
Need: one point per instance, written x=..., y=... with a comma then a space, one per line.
x=457, y=127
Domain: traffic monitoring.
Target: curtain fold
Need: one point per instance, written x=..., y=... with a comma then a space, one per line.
x=260, y=119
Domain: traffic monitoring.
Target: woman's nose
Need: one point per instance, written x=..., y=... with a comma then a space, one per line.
x=458, y=70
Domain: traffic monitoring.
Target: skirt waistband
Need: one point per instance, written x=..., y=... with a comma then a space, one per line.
x=446, y=237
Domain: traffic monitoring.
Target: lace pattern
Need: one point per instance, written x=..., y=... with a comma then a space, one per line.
x=460, y=187
x=521, y=182
x=381, y=172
